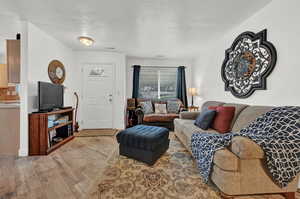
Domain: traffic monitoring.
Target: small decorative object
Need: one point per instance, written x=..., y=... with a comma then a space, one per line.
x=131, y=104
x=56, y=72
x=97, y=72
x=192, y=92
x=248, y=62
x=76, y=126
x=130, y=113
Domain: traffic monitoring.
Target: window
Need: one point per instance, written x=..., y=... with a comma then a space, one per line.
x=158, y=82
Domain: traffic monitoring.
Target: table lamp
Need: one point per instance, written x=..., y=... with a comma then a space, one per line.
x=192, y=92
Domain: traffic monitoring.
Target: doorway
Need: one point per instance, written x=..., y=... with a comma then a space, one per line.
x=98, y=96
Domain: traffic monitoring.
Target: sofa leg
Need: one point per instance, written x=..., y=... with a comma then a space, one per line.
x=289, y=195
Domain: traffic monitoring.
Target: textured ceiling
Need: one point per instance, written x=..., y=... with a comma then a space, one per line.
x=173, y=28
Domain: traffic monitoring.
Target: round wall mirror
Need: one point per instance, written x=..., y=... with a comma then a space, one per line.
x=56, y=72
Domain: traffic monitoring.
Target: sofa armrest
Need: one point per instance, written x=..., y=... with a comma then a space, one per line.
x=245, y=148
x=140, y=115
x=188, y=115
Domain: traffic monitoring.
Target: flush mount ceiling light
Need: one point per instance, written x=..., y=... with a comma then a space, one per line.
x=87, y=41
x=109, y=48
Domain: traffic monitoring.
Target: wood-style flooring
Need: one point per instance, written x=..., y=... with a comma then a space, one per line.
x=69, y=172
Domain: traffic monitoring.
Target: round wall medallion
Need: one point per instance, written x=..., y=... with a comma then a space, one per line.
x=56, y=72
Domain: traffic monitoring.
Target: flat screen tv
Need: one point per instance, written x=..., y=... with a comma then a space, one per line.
x=50, y=96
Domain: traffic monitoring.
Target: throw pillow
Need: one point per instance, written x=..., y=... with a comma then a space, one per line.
x=160, y=108
x=173, y=106
x=147, y=107
x=223, y=119
x=205, y=119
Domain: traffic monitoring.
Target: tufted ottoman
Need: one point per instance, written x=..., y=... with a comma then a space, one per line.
x=143, y=143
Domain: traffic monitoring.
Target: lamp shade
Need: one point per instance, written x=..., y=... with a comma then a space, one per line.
x=192, y=91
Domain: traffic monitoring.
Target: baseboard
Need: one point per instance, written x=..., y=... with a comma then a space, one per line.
x=23, y=152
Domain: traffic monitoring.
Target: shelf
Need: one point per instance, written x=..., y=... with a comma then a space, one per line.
x=59, y=144
x=39, y=131
x=59, y=111
x=60, y=125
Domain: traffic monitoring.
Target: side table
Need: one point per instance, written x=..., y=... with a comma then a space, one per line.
x=193, y=108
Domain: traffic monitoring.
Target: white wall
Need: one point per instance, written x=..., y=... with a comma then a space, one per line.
x=38, y=49
x=281, y=20
x=155, y=62
x=118, y=59
x=24, y=149
x=42, y=49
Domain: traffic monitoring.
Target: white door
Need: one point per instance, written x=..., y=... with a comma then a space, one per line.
x=98, y=91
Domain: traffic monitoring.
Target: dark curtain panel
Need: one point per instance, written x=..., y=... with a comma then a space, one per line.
x=181, y=85
x=136, y=81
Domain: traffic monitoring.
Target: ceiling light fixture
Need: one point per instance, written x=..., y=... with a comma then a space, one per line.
x=87, y=41
x=109, y=48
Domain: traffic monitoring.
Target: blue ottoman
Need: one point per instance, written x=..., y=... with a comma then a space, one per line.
x=144, y=143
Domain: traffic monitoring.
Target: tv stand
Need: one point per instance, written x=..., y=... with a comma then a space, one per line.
x=40, y=142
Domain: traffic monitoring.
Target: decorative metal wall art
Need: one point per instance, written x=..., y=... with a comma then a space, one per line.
x=248, y=62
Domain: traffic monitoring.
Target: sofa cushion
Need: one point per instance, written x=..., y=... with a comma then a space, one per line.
x=169, y=117
x=189, y=115
x=248, y=115
x=205, y=119
x=147, y=107
x=226, y=160
x=245, y=148
x=187, y=127
x=223, y=119
x=227, y=181
x=210, y=103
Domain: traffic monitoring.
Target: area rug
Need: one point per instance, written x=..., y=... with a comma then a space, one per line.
x=96, y=132
x=174, y=176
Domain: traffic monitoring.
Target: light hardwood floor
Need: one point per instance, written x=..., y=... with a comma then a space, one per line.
x=71, y=171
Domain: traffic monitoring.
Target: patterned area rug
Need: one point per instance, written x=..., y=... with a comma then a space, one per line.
x=174, y=176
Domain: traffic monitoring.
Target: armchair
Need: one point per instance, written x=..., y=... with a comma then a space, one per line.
x=154, y=119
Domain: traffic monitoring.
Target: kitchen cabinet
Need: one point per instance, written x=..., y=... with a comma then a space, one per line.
x=3, y=76
x=13, y=48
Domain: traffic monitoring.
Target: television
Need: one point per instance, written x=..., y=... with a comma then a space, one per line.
x=50, y=96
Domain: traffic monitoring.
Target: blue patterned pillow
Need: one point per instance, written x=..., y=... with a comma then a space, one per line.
x=147, y=107
x=173, y=106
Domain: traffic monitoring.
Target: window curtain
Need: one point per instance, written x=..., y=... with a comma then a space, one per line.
x=181, y=86
x=136, y=81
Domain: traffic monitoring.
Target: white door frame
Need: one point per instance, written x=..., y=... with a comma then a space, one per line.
x=82, y=123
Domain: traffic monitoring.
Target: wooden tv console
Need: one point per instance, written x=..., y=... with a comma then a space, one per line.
x=39, y=133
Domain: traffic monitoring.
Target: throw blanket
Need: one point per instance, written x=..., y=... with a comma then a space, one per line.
x=277, y=132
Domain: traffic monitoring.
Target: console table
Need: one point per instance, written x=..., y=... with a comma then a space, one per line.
x=40, y=142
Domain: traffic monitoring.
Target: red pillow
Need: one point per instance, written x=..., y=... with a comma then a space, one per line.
x=223, y=119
